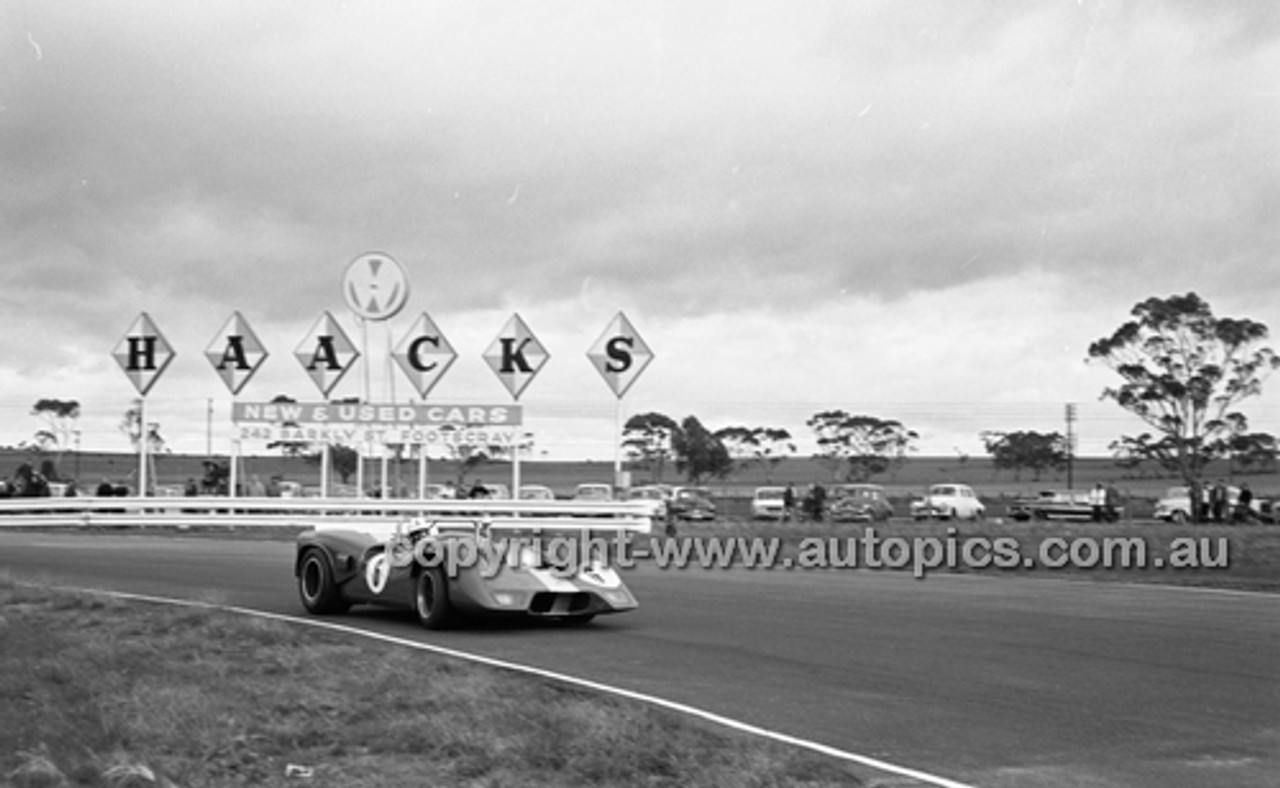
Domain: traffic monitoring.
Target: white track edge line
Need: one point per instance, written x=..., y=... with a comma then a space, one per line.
x=652, y=700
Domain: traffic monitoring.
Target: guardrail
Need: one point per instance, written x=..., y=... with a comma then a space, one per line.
x=90, y=511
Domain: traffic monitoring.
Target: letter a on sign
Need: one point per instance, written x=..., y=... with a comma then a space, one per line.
x=236, y=353
x=516, y=356
x=326, y=353
x=620, y=355
x=143, y=353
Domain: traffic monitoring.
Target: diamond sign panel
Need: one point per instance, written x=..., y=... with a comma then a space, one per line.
x=326, y=353
x=620, y=355
x=424, y=354
x=236, y=353
x=143, y=353
x=516, y=356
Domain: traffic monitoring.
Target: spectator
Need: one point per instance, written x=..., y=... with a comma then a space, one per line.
x=819, y=502
x=1111, y=500
x=1244, y=505
x=789, y=502
x=1098, y=502
x=30, y=483
x=1218, y=501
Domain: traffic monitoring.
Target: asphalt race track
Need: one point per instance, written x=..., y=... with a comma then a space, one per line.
x=987, y=681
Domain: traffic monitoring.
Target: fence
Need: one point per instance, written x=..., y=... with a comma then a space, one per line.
x=91, y=511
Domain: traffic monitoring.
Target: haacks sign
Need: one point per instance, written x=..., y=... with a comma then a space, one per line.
x=376, y=289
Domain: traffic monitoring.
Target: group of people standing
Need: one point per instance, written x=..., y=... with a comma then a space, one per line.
x=1216, y=505
x=812, y=506
x=1104, y=500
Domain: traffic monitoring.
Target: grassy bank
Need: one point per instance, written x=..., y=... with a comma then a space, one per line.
x=99, y=692
x=1242, y=557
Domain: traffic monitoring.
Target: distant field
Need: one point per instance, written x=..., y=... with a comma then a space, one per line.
x=907, y=481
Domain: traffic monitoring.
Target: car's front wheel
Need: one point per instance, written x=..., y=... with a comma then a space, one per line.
x=316, y=587
x=431, y=599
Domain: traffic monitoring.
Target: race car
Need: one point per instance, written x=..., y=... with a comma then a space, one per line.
x=544, y=559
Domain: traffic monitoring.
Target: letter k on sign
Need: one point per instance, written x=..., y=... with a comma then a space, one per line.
x=516, y=356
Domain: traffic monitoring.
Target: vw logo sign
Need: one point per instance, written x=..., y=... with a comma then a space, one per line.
x=376, y=287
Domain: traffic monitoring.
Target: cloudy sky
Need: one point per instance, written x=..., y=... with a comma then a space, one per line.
x=923, y=211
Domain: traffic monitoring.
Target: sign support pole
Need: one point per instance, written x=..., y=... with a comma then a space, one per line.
x=233, y=480
x=617, y=443
x=386, y=461
x=422, y=472
x=142, y=446
x=325, y=459
x=360, y=447
x=515, y=466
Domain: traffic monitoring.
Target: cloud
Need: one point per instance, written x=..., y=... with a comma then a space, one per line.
x=872, y=202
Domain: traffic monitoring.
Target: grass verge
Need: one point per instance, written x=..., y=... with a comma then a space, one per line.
x=1240, y=557
x=100, y=692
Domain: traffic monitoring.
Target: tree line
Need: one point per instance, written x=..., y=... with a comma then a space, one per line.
x=1183, y=371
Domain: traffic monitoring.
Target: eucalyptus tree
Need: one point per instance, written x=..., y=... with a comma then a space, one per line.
x=1184, y=371
x=859, y=446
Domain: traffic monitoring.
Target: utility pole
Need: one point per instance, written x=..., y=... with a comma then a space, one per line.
x=1071, y=443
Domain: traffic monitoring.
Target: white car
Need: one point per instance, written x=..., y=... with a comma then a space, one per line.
x=659, y=494
x=536, y=492
x=769, y=503
x=1175, y=506
x=949, y=502
x=593, y=491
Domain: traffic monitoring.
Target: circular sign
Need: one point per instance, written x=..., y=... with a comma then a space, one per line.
x=376, y=287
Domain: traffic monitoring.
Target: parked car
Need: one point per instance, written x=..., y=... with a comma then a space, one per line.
x=858, y=503
x=658, y=493
x=949, y=502
x=692, y=503
x=439, y=491
x=768, y=503
x=1175, y=506
x=1053, y=505
x=1268, y=511
x=495, y=491
x=593, y=491
x=536, y=492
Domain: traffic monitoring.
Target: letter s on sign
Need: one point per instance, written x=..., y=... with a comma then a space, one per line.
x=618, y=349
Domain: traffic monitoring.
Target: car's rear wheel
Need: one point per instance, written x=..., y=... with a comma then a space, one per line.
x=316, y=586
x=431, y=599
x=1178, y=516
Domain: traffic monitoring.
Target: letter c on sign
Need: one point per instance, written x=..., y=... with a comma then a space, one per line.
x=415, y=349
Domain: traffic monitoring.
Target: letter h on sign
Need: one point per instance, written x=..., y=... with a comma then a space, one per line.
x=143, y=353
